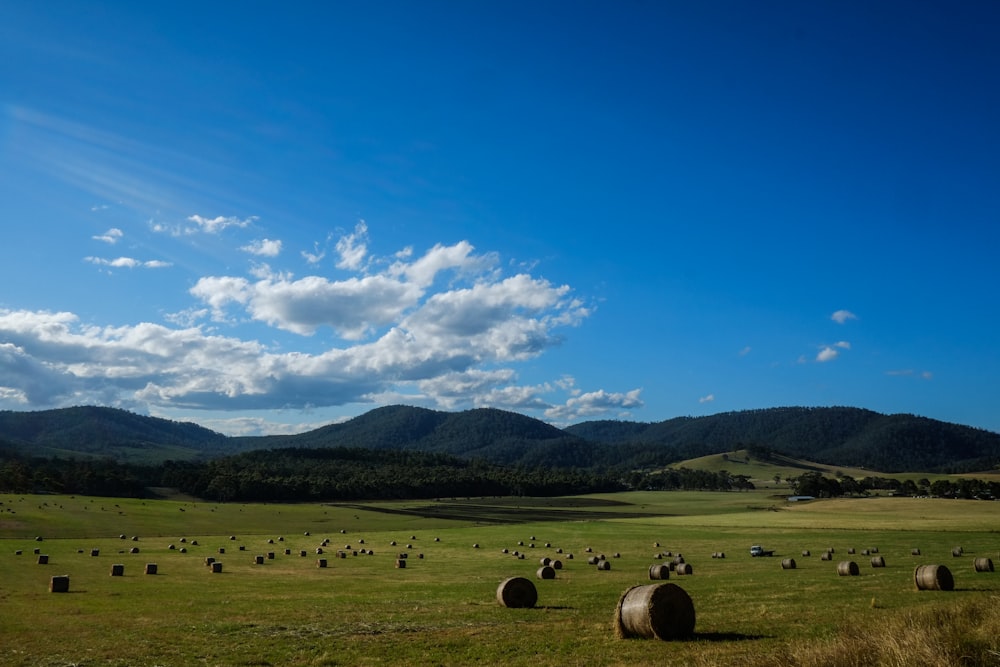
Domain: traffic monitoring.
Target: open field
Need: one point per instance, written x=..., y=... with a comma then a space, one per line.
x=441, y=608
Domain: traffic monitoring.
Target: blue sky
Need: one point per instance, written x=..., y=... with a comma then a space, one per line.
x=264, y=217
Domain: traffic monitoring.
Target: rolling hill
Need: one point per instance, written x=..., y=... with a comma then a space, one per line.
x=836, y=436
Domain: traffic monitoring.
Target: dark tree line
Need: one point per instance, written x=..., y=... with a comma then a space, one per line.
x=819, y=486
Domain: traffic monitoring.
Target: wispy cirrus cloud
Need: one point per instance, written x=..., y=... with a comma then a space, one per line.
x=111, y=237
x=127, y=263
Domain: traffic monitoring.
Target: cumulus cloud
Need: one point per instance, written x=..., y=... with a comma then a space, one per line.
x=199, y=224
x=442, y=328
x=353, y=248
x=112, y=236
x=827, y=353
x=842, y=316
x=263, y=248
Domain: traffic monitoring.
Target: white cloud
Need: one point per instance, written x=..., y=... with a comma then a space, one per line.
x=842, y=316
x=827, y=353
x=353, y=248
x=594, y=403
x=707, y=399
x=843, y=344
x=127, y=263
x=745, y=351
x=112, y=236
x=263, y=248
x=219, y=223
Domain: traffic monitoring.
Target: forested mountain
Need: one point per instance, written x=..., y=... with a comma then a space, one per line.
x=836, y=436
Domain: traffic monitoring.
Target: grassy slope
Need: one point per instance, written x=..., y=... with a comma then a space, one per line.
x=441, y=609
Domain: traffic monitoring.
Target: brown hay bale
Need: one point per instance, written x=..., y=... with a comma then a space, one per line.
x=848, y=568
x=983, y=565
x=400, y=563
x=59, y=583
x=216, y=567
x=320, y=562
x=546, y=572
x=933, y=578
x=684, y=568
x=655, y=611
x=878, y=561
x=150, y=568
x=517, y=593
x=788, y=564
x=43, y=559
x=603, y=565
x=956, y=552
x=659, y=571
x=118, y=570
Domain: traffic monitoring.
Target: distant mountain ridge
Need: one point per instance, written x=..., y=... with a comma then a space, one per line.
x=832, y=435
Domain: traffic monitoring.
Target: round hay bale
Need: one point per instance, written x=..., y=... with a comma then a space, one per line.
x=559, y=550
x=545, y=560
x=655, y=611
x=282, y=539
x=826, y=555
x=616, y=555
x=95, y=552
x=589, y=550
x=517, y=553
x=392, y=543
x=18, y=552
x=878, y=561
x=134, y=550
x=118, y=570
x=546, y=572
x=556, y=564
x=851, y=551
x=865, y=552
x=319, y=550
x=914, y=552
x=678, y=559
x=684, y=568
x=409, y=546
x=43, y=559
x=656, y=544
x=403, y=555
x=848, y=568
x=258, y=560
x=209, y=560
x=659, y=571
x=933, y=578
x=520, y=556
x=788, y=564
x=171, y=547
x=183, y=550
x=302, y=553
x=520, y=543
x=183, y=540
x=243, y=547
x=593, y=560
x=320, y=562
x=956, y=552
x=270, y=555
x=983, y=565
x=672, y=565
x=306, y=533
x=36, y=551
x=400, y=563
x=288, y=552
x=420, y=555
x=59, y=583
x=548, y=545
x=874, y=550
x=150, y=568
x=517, y=593
x=270, y=541
x=475, y=545
x=805, y=553
x=216, y=567
x=569, y=556
x=437, y=539
x=505, y=550
x=603, y=565
x=222, y=550
x=232, y=537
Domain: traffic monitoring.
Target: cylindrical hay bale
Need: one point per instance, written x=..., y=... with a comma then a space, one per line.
x=95, y=552
x=830, y=550
x=914, y=552
x=983, y=565
x=556, y=564
x=232, y=537
x=655, y=611
x=18, y=552
x=933, y=578
x=209, y=560
x=593, y=560
x=678, y=559
x=659, y=571
x=243, y=547
x=851, y=551
x=288, y=552
x=302, y=553
x=270, y=540
x=826, y=556
x=545, y=561
x=569, y=556
x=722, y=554
x=171, y=547
x=270, y=555
x=400, y=563
x=684, y=568
x=134, y=550
x=320, y=562
x=118, y=570
x=150, y=568
x=848, y=568
x=43, y=559
x=788, y=564
x=805, y=553
x=36, y=551
x=517, y=593
x=546, y=572
x=865, y=552
x=222, y=550
x=878, y=561
x=59, y=584
x=475, y=546
x=183, y=550
x=216, y=567
x=874, y=550
x=319, y=550
x=258, y=560
x=956, y=552
x=603, y=564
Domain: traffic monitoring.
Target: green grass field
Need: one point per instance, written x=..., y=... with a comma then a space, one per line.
x=441, y=609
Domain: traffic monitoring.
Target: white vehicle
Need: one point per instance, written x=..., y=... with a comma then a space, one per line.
x=757, y=550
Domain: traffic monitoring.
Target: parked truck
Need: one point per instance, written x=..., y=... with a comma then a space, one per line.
x=757, y=550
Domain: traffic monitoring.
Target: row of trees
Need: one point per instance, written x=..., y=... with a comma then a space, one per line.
x=815, y=484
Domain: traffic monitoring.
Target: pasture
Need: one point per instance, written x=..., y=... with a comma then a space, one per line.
x=441, y=608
